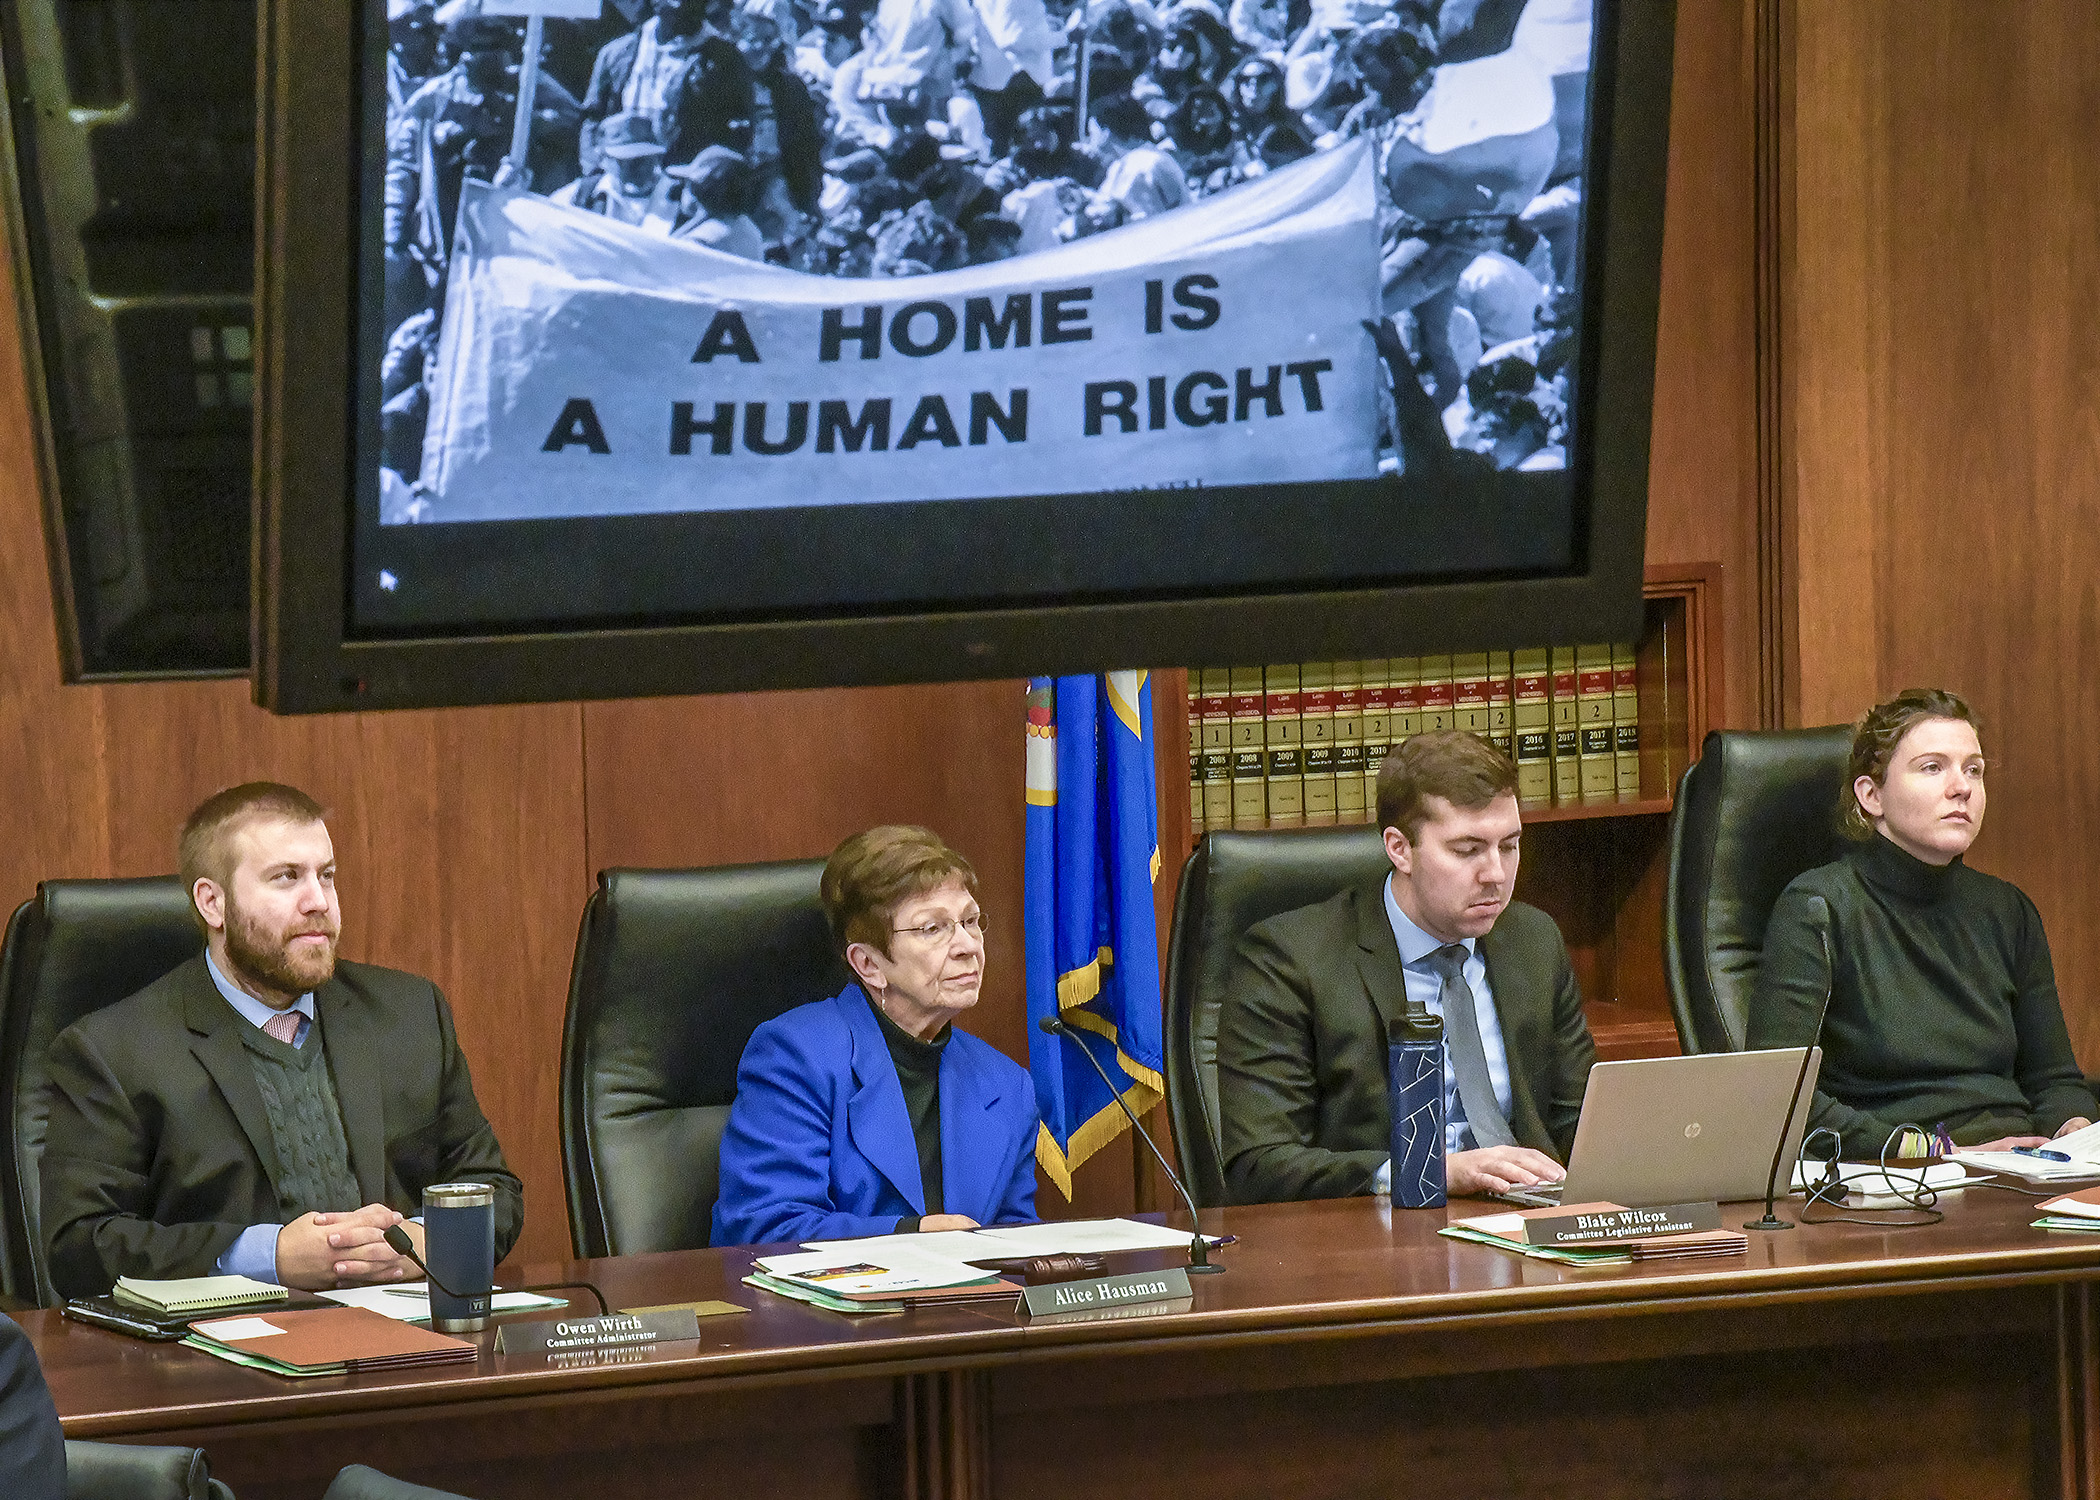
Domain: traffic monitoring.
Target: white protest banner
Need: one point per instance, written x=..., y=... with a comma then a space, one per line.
x=572, y=10
x=586, y=368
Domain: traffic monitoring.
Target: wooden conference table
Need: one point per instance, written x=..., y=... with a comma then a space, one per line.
x=1348, y=1350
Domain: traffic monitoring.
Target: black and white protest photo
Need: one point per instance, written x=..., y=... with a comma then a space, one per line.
x=648, y=256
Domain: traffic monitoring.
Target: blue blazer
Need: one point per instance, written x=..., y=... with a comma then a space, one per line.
x=819, y=1145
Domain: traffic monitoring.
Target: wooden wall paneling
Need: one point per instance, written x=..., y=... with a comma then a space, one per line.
x=44, y=819
x=763, y=776
x=1702, y=480
x=470, y=829
x=1946, y=424
x=1836, y=296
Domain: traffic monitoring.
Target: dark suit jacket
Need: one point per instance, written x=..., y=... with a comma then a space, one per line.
x=1302, y=1044
x=159, y=1151
x=32, y=1448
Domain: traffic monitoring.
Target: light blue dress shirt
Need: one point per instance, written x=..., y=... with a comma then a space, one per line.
x=1424, y=984
x=254, y=1252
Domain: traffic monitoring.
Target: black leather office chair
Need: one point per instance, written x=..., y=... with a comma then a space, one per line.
x=77, y=946
x=1232, y=881
x=674, y=970
x=124, y=1471
x=356, y=1482
x=1755, y=810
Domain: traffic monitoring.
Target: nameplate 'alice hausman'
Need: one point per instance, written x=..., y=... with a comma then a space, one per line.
x=1601, y=1223
x=613, y=1331
x=1105, y=1291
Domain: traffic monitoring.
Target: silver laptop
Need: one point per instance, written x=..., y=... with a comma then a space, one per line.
x=1683, y=1130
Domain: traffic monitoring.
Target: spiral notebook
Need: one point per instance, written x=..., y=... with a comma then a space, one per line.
x=197, y=1294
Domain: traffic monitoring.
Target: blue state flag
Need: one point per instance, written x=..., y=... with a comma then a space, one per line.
x=1092, y=939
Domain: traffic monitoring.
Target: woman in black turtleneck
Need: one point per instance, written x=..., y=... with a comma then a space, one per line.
x=1943, y=1005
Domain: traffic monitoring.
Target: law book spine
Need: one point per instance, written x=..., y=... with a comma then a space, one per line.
x=1348, y=742
x=1567, y=736
x=1195, y=717
x=1250, y=755
x=1500, y=726
x=1626, y=721
x=1316, y=732
x=1598, y=773
x=1217, y=747
x=1286, y=747
x=1469, y=692
x=1406, y=698
x=1378, y=727
x=1531, y=724
x=1437, y=694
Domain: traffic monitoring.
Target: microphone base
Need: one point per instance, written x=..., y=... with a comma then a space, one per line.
x=1206, y=1269
x=1769, y=1221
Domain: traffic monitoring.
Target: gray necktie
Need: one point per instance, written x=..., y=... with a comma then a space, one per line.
x=1476, y=1092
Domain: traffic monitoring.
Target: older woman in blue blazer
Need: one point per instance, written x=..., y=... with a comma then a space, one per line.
x=870, y=1113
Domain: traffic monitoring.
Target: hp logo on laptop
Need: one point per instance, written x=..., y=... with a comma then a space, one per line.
x=1691, y=1131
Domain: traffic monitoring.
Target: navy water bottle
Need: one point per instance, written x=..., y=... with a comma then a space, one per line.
x=1415, y=1091
x=459, y=1246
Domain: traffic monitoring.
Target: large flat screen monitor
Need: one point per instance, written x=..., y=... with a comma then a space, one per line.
x=613, y=347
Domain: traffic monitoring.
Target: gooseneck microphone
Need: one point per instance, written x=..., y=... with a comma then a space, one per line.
x=1199, y=1251
x=1819, y=917
x=399, y=1239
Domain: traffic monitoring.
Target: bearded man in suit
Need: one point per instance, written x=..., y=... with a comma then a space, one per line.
x=263, y=1110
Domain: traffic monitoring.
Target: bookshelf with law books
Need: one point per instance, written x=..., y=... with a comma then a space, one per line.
x=1600, y=733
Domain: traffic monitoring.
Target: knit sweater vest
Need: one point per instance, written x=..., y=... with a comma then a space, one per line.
x=306, y=1125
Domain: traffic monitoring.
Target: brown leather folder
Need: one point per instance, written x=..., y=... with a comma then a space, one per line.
x=355, y=1338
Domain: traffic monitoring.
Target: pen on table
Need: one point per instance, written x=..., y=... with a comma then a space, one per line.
x=2044, y=1153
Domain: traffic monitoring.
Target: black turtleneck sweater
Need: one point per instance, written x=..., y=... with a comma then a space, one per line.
x=919, y=1071
x=1943, y=1003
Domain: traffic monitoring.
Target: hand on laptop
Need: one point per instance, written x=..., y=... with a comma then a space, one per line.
x=1496, y=1169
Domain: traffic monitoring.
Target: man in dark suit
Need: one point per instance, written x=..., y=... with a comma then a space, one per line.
x=32, y=1448
x=1302, y=1031
x=262, y=1110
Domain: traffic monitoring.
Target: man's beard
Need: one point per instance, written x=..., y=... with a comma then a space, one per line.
x=268, y=959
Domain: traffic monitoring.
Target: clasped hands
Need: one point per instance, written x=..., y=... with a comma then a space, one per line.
x=318, y=1251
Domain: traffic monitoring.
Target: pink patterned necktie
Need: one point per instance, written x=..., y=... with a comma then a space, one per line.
x=284, y=1026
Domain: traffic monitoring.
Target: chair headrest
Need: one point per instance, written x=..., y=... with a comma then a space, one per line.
x=78, y=946
x=1756, y=810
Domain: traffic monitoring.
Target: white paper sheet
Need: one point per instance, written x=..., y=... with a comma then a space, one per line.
x=224, y=1329
x=942, y=1244
x=893, y=1267
x=2029, y=1168
x=1014, y=1241
x=409, y=1302
x=1088, y=1237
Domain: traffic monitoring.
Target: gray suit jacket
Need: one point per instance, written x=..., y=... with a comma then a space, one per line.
x=159, y=1150
x=1302, y=1044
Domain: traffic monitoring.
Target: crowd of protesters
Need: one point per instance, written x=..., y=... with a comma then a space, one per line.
x=900, y=137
